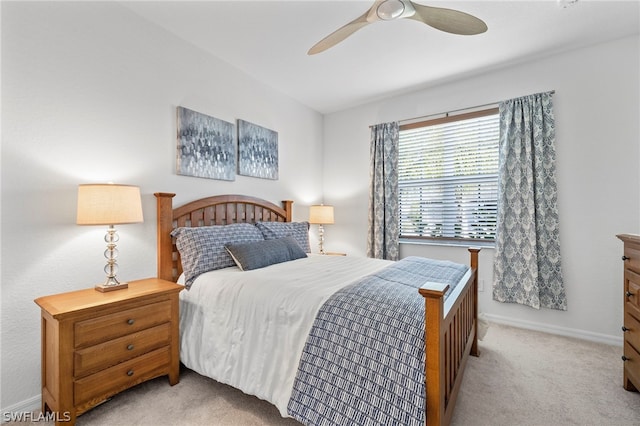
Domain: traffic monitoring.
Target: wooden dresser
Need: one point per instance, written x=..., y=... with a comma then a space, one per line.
x=631, y=327
x=95, y=344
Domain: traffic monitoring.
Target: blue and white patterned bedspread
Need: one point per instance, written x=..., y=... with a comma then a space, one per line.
x=363, y=362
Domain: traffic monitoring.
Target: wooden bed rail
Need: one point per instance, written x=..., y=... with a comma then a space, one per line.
x=450, y=337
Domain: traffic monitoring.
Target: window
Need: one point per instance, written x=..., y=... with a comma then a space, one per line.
x=448, y=177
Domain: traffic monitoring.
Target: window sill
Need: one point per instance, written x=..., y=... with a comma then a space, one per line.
x=449, y=243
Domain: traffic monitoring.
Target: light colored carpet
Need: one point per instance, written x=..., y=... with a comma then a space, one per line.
x=528, y=378
x=522, y=378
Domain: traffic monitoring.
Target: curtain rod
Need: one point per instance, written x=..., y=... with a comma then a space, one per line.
x=446, y=114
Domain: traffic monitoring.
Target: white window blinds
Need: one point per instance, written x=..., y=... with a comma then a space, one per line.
x=448, y=177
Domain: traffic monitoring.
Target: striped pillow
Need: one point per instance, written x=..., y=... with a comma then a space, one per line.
x=202, y=248
x=298, y=230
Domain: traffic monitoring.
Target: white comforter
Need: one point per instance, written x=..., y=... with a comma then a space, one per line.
x=248, y=329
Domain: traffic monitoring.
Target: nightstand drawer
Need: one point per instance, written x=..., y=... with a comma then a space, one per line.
x=632, y=335
x=107, y=327
x=632, y=363
x=94, y=358
x=122, y=376
x=632, y=254
x=633, y=287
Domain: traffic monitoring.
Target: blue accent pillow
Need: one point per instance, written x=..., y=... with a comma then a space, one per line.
x=202, y=248
x=298, y=230
x=257, y=255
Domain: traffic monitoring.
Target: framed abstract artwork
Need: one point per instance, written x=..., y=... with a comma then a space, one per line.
x=257, y=151
x=206, y=146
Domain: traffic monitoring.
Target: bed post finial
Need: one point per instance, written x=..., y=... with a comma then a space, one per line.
x=164, y=209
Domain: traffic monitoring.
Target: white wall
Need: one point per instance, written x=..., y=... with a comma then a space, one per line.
x=89, y=94
x=598, y=138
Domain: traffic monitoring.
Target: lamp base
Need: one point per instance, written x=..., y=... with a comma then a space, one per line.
x=103, y=288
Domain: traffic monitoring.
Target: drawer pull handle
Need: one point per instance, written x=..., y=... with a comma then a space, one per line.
x=624, y=358
x=130, y=347
x=625, y=329
x=628, y=293
x=625, y=257
x=131, y=321
x=130, y=373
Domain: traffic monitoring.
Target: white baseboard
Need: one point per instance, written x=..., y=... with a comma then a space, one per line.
x=27, y=406
x=554, y=329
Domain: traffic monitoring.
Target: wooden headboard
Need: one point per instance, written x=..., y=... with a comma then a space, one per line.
x=216, y=210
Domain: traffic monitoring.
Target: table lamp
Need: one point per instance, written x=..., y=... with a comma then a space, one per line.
x=109, y=204
x=321, y=215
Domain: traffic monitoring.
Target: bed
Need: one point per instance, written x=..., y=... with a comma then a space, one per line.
x=279, y=360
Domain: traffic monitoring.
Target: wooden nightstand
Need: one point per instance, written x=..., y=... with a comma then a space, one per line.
x=334, y=253
x=95, y=344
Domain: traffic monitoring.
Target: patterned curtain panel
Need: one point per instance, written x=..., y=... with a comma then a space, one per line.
x=383, y=235
x=527, y=263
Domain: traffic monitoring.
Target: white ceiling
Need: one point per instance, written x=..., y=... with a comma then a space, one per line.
x=269, y=40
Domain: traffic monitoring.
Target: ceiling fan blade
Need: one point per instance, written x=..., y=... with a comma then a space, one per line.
x=448, y=20
x=341, y=33
x=338, y=35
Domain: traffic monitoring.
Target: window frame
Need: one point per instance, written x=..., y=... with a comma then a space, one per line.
x=449, y=118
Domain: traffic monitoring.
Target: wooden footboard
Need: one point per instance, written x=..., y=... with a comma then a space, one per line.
x=450, y=337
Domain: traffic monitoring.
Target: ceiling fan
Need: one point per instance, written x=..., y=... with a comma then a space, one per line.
x=448, y=20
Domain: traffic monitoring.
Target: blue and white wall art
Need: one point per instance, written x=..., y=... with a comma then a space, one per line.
x=257, y=151
x=206, y=146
